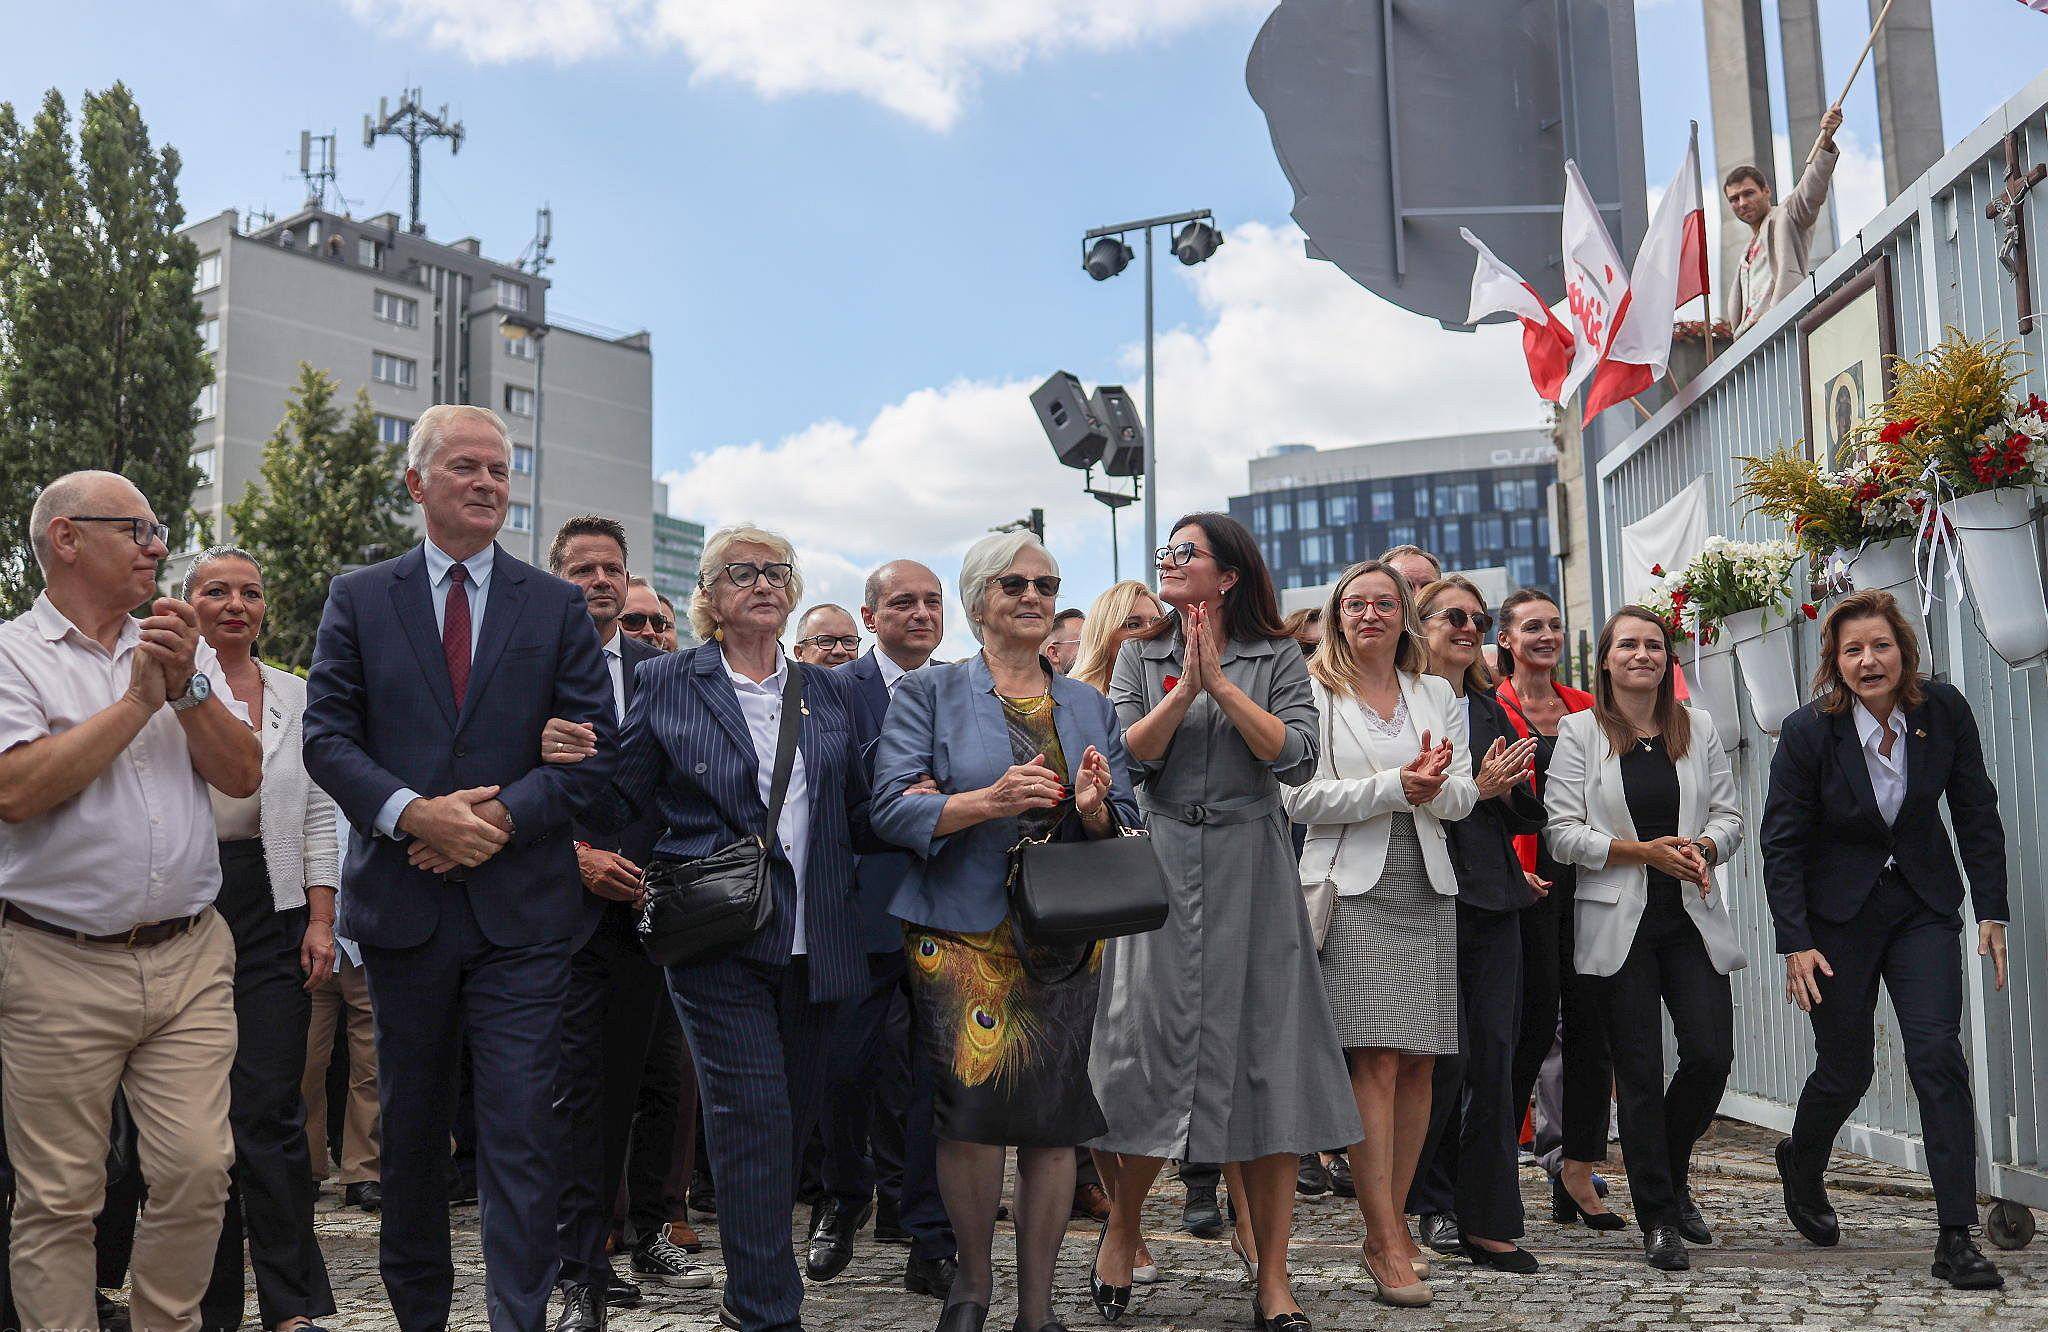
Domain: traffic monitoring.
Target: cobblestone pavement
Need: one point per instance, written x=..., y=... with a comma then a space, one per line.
x=1757, y=1275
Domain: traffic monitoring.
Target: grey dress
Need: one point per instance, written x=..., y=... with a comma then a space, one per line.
x=1213, y=1039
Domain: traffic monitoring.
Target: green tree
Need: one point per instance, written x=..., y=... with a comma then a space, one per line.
x=330, y=487
x=100, y=361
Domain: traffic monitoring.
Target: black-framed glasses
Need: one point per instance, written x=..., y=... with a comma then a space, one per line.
x=143, y=530
x=1356, y=607
x=1013, y=585
x=744, y=575
x=635, y=621
x=844, y=642
x=1178, y=555
x=1458, y=617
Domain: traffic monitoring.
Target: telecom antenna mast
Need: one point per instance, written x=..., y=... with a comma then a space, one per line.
x=316, y=165
x=416, y=125
x=535, y=258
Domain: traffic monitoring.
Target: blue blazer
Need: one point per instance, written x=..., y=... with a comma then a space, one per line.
x=381, y=715
x=687, y=756
x=946, y=721
x=878, y=875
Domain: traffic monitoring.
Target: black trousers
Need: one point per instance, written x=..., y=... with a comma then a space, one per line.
x=614, y=991
x=1468, y=1159
x=270, y=1188
x=1552, y=988
x=868, y=1053
x=1917, y=953
x=657, y=1123
x=1659, y=1125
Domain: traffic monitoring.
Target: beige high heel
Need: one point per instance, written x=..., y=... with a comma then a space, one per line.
x=1421, y=1266
x=1412, y=1296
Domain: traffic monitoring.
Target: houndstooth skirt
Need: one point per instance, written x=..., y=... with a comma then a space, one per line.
x=1390, y=963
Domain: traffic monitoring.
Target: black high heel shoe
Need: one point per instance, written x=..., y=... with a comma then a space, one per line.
x=1284, y=1322
x=1112, y=1302
x=1565, y=1209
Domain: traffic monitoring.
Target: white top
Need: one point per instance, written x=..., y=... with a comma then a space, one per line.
x=615, y=662
x=891, y=672
x=236, y=818
x=761, y=705
x=295, y=818
x=439, y=562
x=1756, y=279
x=1887, y=774
x=137, y=843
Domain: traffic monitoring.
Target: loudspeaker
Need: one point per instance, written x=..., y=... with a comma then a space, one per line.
x=1073, y=425
x=1125, y=455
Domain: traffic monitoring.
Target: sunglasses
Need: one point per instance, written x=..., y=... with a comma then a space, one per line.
x=848, y=642
x=143, y=530
x=1458, y=617
x=638, y=620
x=743, y=575
x=1178, y=555
x=1013, y=585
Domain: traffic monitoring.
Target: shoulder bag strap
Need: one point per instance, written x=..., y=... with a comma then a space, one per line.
x=785, y=745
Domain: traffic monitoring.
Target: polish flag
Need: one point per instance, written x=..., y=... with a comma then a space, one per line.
x=1546, y=342
x=1670, y=270
x=2038, y=6
x=1595, y=282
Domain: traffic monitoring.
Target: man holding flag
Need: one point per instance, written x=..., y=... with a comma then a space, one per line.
x=1781, y=234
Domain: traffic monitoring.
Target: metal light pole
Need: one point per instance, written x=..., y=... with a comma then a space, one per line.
x=1151, y=423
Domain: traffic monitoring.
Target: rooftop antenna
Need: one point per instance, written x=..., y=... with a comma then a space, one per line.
x=535, y=258
x=416, y=125
x=256, y=219
x=316, y=166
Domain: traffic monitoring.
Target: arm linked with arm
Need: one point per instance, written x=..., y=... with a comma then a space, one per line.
x=548, y=796
x=903, y=756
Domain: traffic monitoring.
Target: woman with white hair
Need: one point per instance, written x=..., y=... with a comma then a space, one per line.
x=699, y=749
x=975, y=756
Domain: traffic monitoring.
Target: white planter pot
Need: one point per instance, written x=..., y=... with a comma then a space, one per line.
x=1763, y=648
x=1711, y=678
x=1888, y=566
x=2002, y=564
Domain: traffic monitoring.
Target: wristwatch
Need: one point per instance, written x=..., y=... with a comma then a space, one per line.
x=197, y=690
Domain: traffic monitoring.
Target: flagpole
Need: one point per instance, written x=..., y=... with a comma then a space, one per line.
x=1856, y=69
x=1706, y=278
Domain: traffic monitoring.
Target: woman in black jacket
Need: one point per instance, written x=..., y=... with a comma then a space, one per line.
x=1864, y=888
x=1468, y=1161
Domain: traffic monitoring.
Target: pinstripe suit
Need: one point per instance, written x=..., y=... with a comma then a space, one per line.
x=755, y=1018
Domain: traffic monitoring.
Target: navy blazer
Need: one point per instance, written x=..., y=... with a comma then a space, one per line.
x=1824, y=843
x=947, y=722
x=878, y=874
x=381, y=715
x=686, y=756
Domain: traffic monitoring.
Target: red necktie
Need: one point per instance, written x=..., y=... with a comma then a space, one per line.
x=455, y=631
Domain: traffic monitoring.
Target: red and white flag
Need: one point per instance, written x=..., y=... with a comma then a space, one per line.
x=1595, y=281
x=2038, y=6
x=1546, y=342
x=1670, y=269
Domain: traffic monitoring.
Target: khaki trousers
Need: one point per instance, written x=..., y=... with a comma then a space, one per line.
x=344, y=996
x=77, y=1020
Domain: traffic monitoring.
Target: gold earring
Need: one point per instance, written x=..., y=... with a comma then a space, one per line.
x=718, y=634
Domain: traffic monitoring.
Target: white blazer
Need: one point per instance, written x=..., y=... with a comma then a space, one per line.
x=1347, y=814
x=1587, y=810
x=297, y=818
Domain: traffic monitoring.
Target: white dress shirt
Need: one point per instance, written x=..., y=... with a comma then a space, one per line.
x=439, y=562
x=615, y=662
x=137, y=843
x=1887, y=772
x=891, y=672
x=761, y=705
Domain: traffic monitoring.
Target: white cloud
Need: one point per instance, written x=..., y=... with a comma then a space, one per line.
x=1287, y=349
x=918, y=58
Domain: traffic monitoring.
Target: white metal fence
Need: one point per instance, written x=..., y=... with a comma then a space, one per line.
x=1945, y=272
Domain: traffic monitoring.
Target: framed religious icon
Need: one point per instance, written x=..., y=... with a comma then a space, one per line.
x=1846, y=344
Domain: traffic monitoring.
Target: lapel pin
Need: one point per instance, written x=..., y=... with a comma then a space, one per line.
x=1919, y=734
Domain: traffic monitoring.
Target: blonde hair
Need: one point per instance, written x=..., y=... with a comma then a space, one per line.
x=1103, y=635
x=1334, y=665
x=1477, y=674
x=425, y=439
x=711, y=564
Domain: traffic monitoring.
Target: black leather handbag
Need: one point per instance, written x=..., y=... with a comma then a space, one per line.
x=696, y=909
x=1073, y=895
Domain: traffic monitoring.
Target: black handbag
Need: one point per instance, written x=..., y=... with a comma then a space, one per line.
x=698, y=908
x=1073, y=895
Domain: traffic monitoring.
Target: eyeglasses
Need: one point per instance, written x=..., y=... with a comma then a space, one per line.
x=1135, y=623
x=1178, y=554
x=143, y=530
x=1355, y=607
x=1013, y=585
x=1458, y=617
x=638, y=620
x=743, y=575
x=846, y=642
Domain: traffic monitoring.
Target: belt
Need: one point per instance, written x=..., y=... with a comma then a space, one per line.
x=144, y=935
x=1217, y=816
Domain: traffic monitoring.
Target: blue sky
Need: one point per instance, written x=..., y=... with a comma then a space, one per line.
x=852, y=225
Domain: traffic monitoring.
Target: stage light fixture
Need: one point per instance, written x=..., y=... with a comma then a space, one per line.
x=1107, y=257
x=1196, y=242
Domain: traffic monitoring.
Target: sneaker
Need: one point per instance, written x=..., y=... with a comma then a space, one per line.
x=659, y=1260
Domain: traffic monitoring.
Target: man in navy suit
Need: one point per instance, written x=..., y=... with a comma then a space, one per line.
x=433, y=677
x=876, y=1106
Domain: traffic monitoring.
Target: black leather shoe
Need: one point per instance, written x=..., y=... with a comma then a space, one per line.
x=889, y=1223
x=1518, y=1261
x=1958, y=1261
x=1202, y=1218
x=1439, y=1230
x=1339, y=1169
x=620, y=1293
x=113, y=1315
x=368, y=1195
x=1112, y=1302
x=582, y=1310
x=1312, y=1180
x=1280, y=1322
x=1806, y=1202
x=930, y=1276
x=963, y=1317
x=462, y=1190
x=1664, y=1250
x=1565, y=1209
x=727, y=1318
x=833, y=1226
x=1692, y=1227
